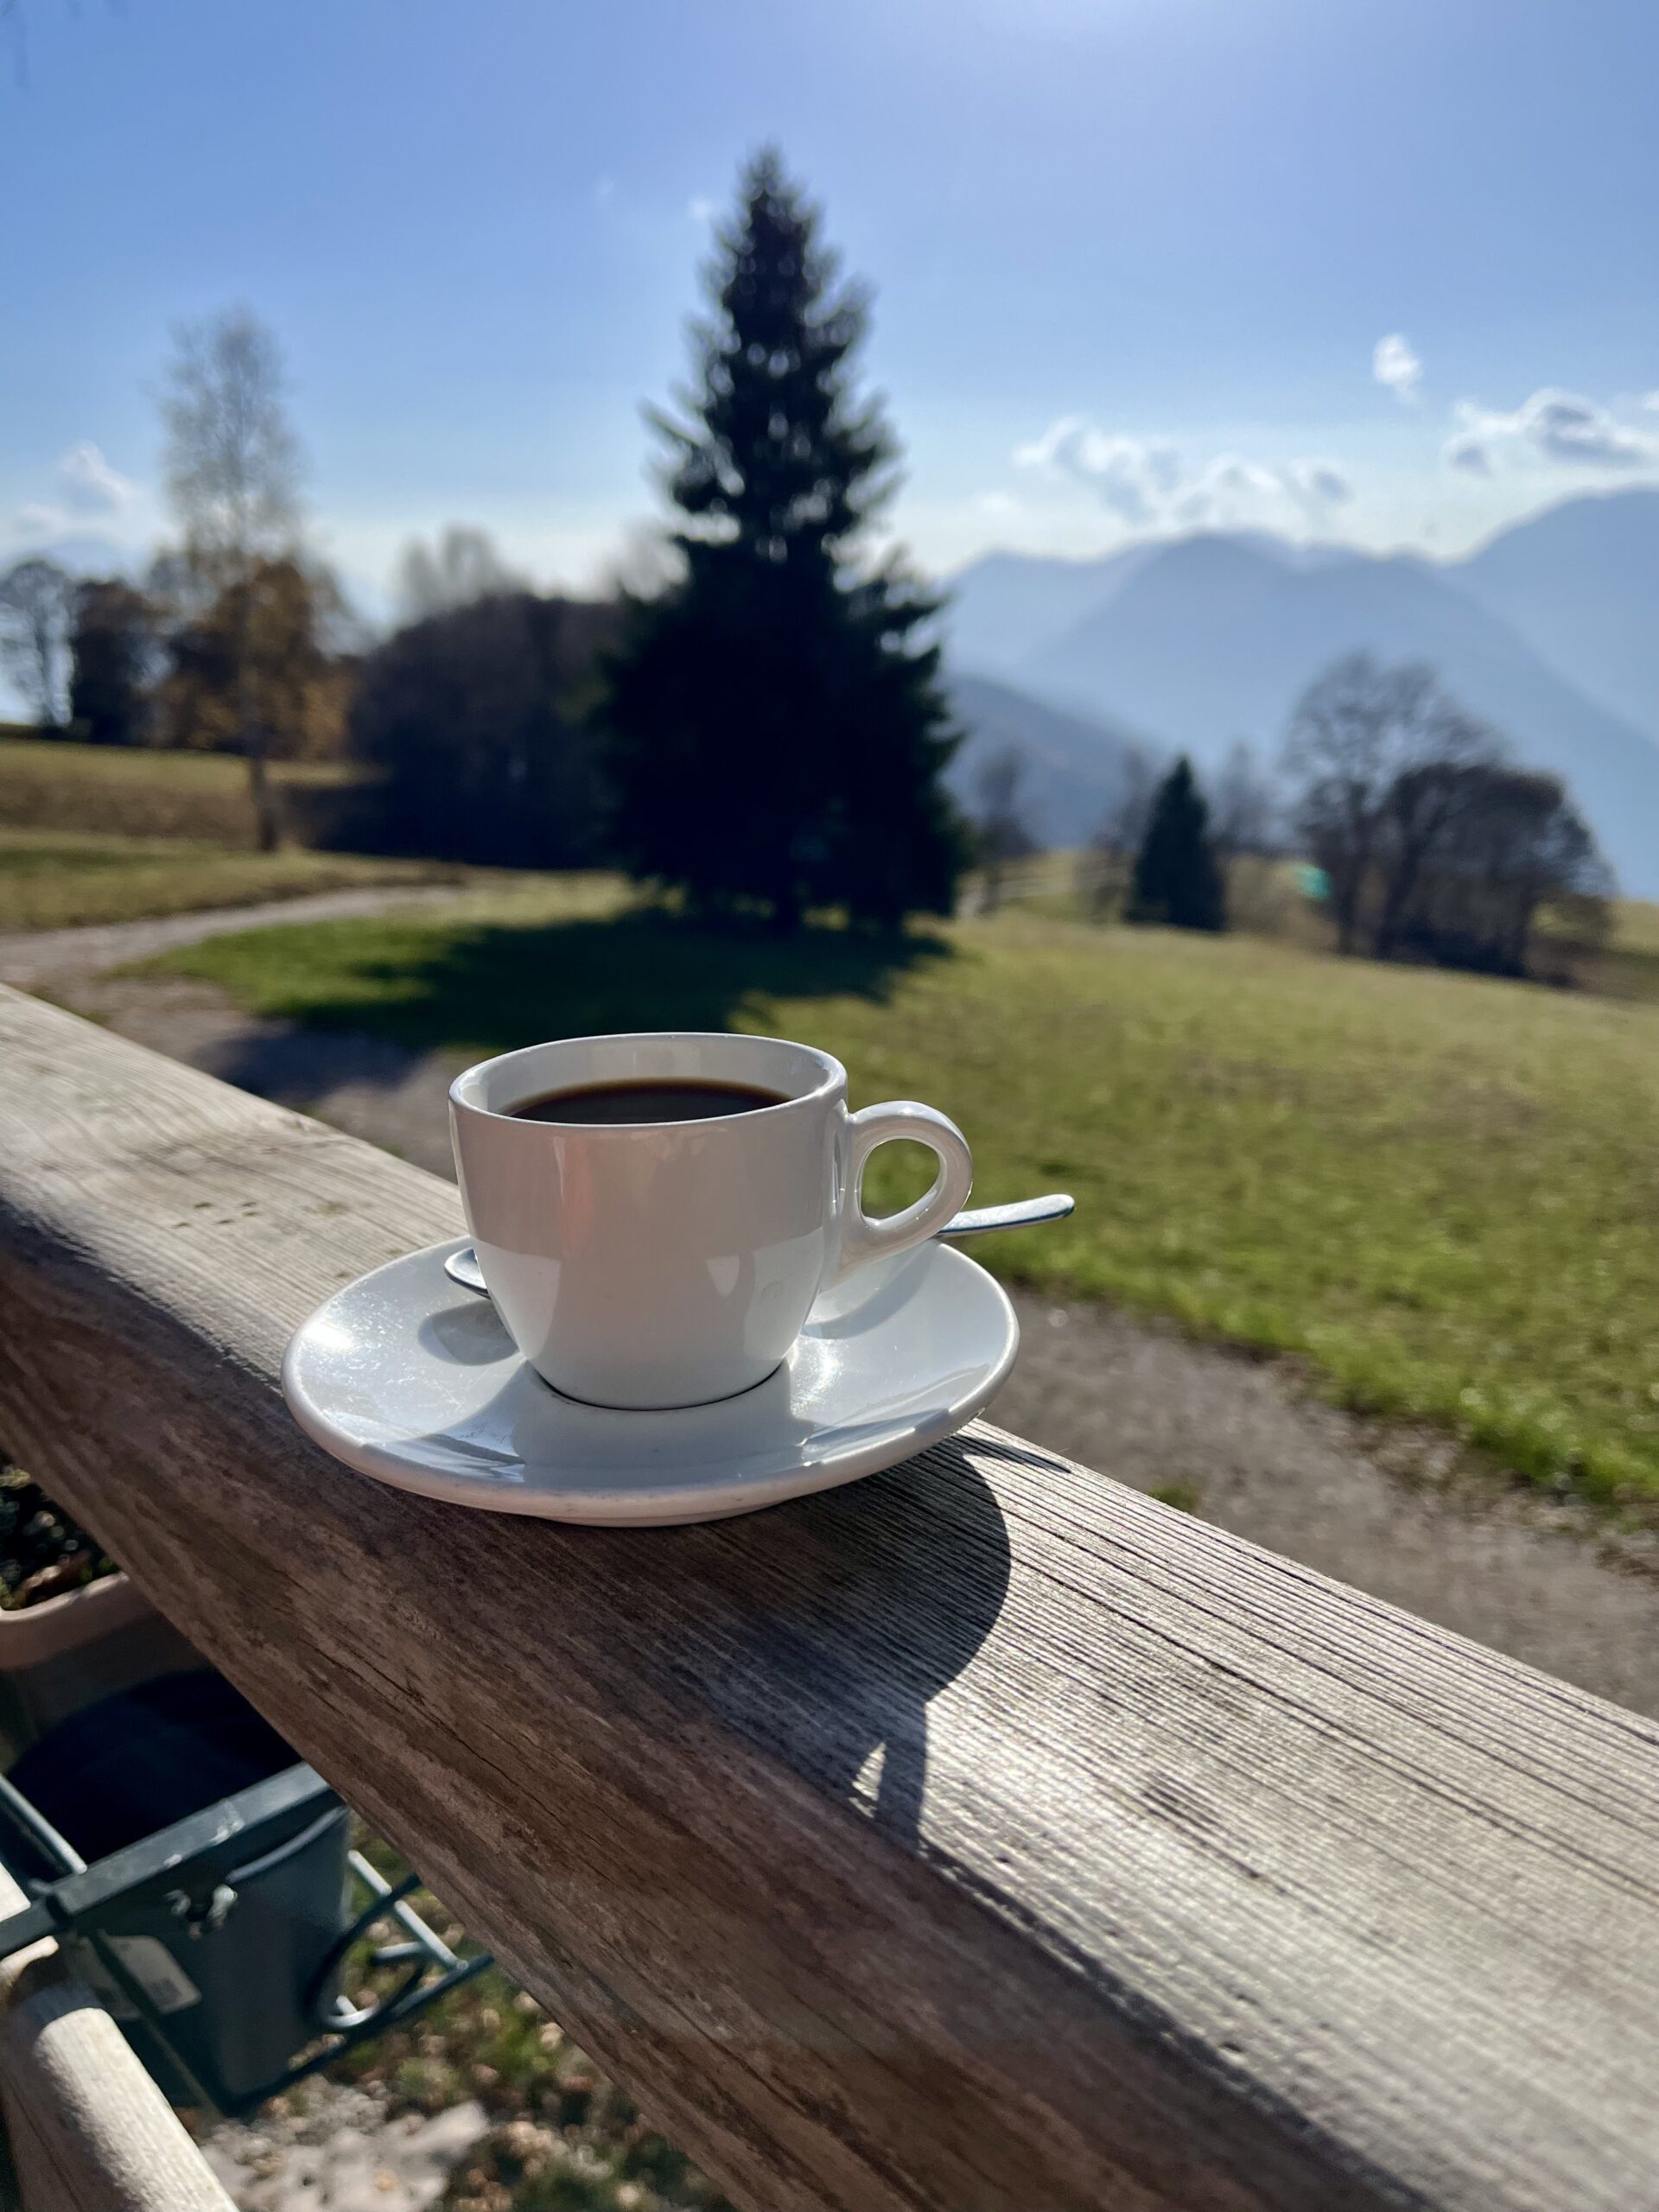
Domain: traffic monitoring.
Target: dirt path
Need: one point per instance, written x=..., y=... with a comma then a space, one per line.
x=334, y=2150
x=28, y=957
x=1385, y=1507
x=1232, y=1437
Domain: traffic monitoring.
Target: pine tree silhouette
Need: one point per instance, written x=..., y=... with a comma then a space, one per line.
x=1176, y=880
x=776, y=734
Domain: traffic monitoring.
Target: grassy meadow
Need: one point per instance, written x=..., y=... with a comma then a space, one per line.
x=49, y=880
x=49, y=784
x=1263, y=901
x=1441, y=1191
x=1629, y=967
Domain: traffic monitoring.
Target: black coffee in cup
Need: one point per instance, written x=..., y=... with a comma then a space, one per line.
x=650, y=1101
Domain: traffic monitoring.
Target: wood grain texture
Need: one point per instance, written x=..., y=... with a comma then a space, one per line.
x=88, y=2129
x=984, y=1835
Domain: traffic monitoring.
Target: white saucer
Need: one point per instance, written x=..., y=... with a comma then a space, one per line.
x=408, y=1379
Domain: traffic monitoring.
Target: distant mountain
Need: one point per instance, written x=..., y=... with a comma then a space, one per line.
x=1580, y=583
x=1008, y=605
x=1007, y=608
x=83, y=555
x=1205, y=639
x=1073, y=765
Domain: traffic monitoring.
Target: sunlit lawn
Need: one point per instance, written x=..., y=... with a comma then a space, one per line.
x=53, y=783
x=1629, y=967
x=49, y=881
x=1444, y=1192
x=125, y=764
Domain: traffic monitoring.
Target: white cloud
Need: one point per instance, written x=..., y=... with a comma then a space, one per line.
x=89, y=484
x=1396, y=364
x=1137, y=478
x=1319, y=485
x=701, y=209
x=1146, y=483
x=89, y=493
x=1469, y=452
x=1650, y=399
x=1226, y=489
x=1553, y=426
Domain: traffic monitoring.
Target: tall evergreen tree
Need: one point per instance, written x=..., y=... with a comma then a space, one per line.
x=776, y=731
x=1176, y=878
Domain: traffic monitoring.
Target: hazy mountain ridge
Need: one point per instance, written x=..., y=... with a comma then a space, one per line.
x=1073, y=765
x=1204, y=640
x=1580, y=583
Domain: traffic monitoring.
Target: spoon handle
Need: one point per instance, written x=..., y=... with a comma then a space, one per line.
x=1020, y=1213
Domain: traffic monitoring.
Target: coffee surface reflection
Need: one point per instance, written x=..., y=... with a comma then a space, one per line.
x=588, y=1104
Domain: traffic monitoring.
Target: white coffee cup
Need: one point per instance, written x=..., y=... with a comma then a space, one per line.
x=652, y=1264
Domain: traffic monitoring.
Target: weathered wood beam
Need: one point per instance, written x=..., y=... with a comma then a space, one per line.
x=982, y=1836
x=87, y=2129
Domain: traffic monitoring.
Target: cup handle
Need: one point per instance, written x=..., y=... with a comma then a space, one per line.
x=864, y=1238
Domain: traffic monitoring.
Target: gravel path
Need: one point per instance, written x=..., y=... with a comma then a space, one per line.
x=1383, y=1506
x=31, y=956
x=1234, y=1438
x=334, y=2150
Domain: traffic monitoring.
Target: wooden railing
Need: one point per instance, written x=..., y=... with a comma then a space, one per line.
x=983, y=1837
x=86, y=2128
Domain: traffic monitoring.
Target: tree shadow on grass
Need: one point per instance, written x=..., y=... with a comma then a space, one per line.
x=492, y=986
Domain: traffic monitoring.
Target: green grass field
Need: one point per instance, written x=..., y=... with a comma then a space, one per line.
x=1263, y=901
x=49, y=881
x=112, y=789
x=134, y=763
x=1442, y=1191
x=1628, y=967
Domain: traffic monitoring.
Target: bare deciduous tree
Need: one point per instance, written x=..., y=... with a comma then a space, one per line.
x=461, y=569
x=1002, y=831
x=1422, y=805
x=1435, y=847
x=1356, y=731
x=1244, y=810
x=1509, y=842
x=232, y=472
x=36, y=603
x=1103, y=872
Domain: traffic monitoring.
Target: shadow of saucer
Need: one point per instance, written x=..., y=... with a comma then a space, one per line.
x=857, y=1607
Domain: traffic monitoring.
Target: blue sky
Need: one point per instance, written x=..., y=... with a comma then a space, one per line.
x=1133, y=258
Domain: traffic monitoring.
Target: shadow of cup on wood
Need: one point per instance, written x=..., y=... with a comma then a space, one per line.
x=858, y=1607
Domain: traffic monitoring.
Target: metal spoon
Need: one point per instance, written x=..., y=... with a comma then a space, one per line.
x=462, y=1266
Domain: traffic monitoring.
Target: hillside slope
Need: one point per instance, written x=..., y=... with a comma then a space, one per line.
x=1580, y=583
x=1073, y=765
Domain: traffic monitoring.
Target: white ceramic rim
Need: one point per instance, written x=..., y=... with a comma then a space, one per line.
x=465, y=1092
x=672, y=1502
